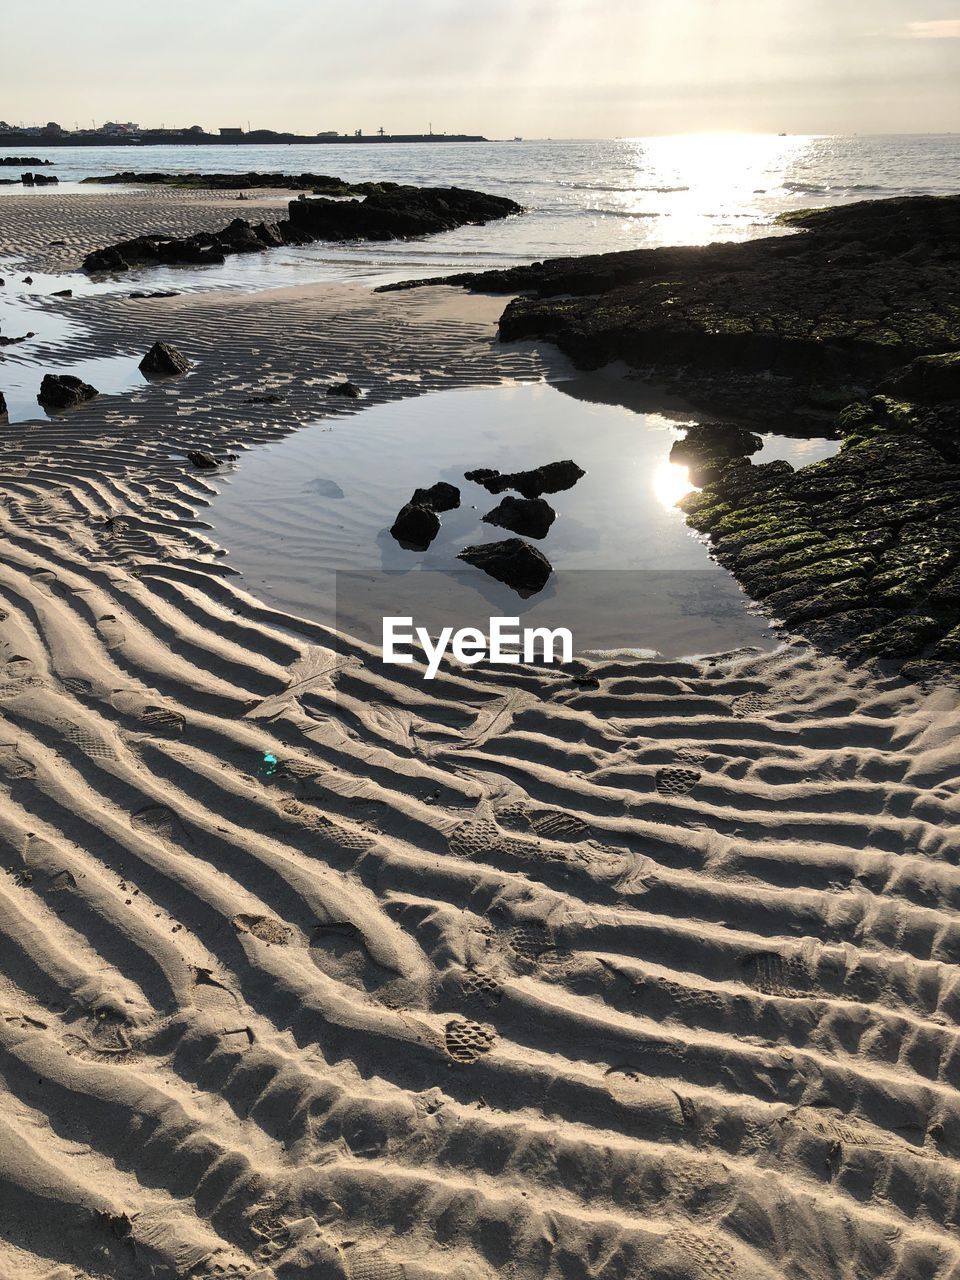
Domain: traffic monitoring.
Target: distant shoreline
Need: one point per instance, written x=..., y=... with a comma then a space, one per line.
x=256, y=139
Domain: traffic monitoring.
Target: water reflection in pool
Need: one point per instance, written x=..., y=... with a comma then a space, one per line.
x=323, y=500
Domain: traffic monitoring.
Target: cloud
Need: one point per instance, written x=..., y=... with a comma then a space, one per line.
x=944, y=29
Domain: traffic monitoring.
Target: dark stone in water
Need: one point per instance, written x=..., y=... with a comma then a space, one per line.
x=531, y=517
x=348, y=389
x=708, y=445
x=203, y=461
x=551, y=478
x=439, y=497
x=415, y=527
x=155, y=293
x=62, y=293
x=3, y=406
x=63, y=391
x=513, y=561
x=163, y=361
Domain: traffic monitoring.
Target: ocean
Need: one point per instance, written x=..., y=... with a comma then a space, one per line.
x=580, y=196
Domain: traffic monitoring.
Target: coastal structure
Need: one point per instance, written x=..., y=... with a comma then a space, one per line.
x=114, y=134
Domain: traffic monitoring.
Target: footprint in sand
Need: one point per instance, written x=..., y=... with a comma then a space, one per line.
x=373, y=1266
x=45, y=579
x=88, y=742
x=478, y=985
x=266, y=928
x=711, y=1259
x=474, y=838
x=13, y=765
x=162, y=718
x=76, y=685
x=110, y=631
x=675, y=781
x=751, y=704
x=160, y=821
x=777, y=975
x=467, y=1041
x=660, y=1105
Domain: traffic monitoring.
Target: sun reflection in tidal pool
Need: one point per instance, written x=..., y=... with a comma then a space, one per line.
x=671, y=482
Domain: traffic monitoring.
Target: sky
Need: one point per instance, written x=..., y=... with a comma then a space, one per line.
x=537, y=68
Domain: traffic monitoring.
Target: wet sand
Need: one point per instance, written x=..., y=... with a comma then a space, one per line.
x=307, y=970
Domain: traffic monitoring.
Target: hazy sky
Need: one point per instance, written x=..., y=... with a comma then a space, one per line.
x=558, y=68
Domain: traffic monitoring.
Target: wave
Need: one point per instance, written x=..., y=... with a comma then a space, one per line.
x=826, y=188
x=620, y=213
x=598, y=186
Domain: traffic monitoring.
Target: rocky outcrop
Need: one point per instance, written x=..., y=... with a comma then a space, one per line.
x=163, y=361
x=63, y=391
x=550, y=478
x=513, y=562
x=349, y=390
x=862, y=549
x=39, y=179
x=794, y=325
x=22, y=162
x=392, y=213
x=530, y=517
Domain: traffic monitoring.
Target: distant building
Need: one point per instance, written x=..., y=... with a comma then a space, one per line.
x=327, y=133
x=114, y=129
x=231, y=133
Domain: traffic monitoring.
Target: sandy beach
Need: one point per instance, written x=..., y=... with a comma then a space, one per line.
x=307, y=970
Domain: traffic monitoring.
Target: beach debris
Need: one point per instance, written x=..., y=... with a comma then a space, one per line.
x=513, y=561
x=163, y=360
x=348, y=389
x=415, y=527
x=203, y=461
x=268, y=765
x=63, y=391
x=530, y=517
x=708, y=447
x=439, y=497
x=9, y=342
x=550, y=478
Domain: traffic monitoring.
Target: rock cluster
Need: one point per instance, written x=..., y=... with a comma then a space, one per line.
x=393, y=214
x=551, y=478
x=418, y=523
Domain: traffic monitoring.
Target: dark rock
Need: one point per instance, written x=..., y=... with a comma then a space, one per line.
x=3, y=406
x=269, y=397
x=439, y=497
x=63, y=391
x=348, y=389
x=513, y=561
x=155, y=293
x=927, y=380
x=163, y=361
x=203, y=461
x=551, y=478
x=28, y=279
x=415, y=527
x=530, y=517
x=62, y=293
x=707, y=446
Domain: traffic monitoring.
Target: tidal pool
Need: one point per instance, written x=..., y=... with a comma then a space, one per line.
x=306, y=520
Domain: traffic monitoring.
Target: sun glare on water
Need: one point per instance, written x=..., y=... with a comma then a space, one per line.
x=671, y=482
